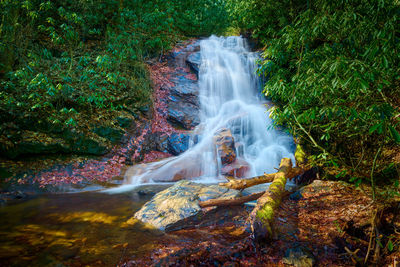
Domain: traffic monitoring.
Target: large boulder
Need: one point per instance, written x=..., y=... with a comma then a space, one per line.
x=168, y=208
x=225, y=145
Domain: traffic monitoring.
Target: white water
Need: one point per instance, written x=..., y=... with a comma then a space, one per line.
x=229, y=98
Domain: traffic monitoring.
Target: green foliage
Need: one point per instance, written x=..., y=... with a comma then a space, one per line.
x=63, y=63
x=333, y=69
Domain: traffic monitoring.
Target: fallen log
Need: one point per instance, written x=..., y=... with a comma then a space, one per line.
x=240, y=184
x=230, y=202
x=262, y=217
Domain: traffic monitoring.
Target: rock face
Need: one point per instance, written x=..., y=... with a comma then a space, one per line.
x=183, y=101
x=194, y=61
x=225, y=144
x=167, y=209
x=183, y=104
x=183, y=115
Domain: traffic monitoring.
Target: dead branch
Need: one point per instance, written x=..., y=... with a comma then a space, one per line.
x=240, y=184
x=230, y=202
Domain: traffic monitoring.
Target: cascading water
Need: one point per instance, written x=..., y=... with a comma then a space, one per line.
x=229, y=98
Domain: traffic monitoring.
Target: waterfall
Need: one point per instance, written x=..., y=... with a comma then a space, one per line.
x=230, y=99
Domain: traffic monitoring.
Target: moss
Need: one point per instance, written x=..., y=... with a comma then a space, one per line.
x=299, y=155
x=266, y=213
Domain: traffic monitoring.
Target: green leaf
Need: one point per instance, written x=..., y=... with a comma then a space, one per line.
x=395, y=134
x=373, y=128
x=385, y=62
x=364, y=84
x=390, y=245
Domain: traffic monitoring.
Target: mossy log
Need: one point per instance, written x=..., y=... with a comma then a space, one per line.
x=262, y=217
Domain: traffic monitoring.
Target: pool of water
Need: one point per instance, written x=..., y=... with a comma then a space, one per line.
x=75, y=229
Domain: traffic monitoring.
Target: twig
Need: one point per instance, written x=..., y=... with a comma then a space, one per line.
x=370, y=237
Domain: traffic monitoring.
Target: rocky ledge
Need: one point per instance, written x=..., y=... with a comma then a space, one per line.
x=178, y=207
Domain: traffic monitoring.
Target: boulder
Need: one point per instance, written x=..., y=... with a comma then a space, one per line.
x=194, y=61
x=225, y=145
x=239, y=169
x=168, y=208
x=178, y=143
x=174, y=144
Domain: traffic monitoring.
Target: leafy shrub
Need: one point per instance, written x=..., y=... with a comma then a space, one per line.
x=66, y=63
x=332, y=67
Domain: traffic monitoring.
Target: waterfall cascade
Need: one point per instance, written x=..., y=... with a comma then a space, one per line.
x=230, y=100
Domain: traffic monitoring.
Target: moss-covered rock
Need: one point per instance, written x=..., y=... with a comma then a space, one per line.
x=114, y=135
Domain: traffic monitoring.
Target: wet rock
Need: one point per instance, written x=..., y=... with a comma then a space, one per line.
x=183, y=104
x=183, y=115
x=158, y=141
x=175, y=143
x=185, y=90
x=180, y=202
x=194, y=61
x=180, y=55
x=225, y=144
x=178, y=143
x=239, y=168
x=299, y=257
x=183, y=169
x=172, y=170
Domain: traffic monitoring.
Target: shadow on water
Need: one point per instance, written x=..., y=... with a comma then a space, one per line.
x=78, y=229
